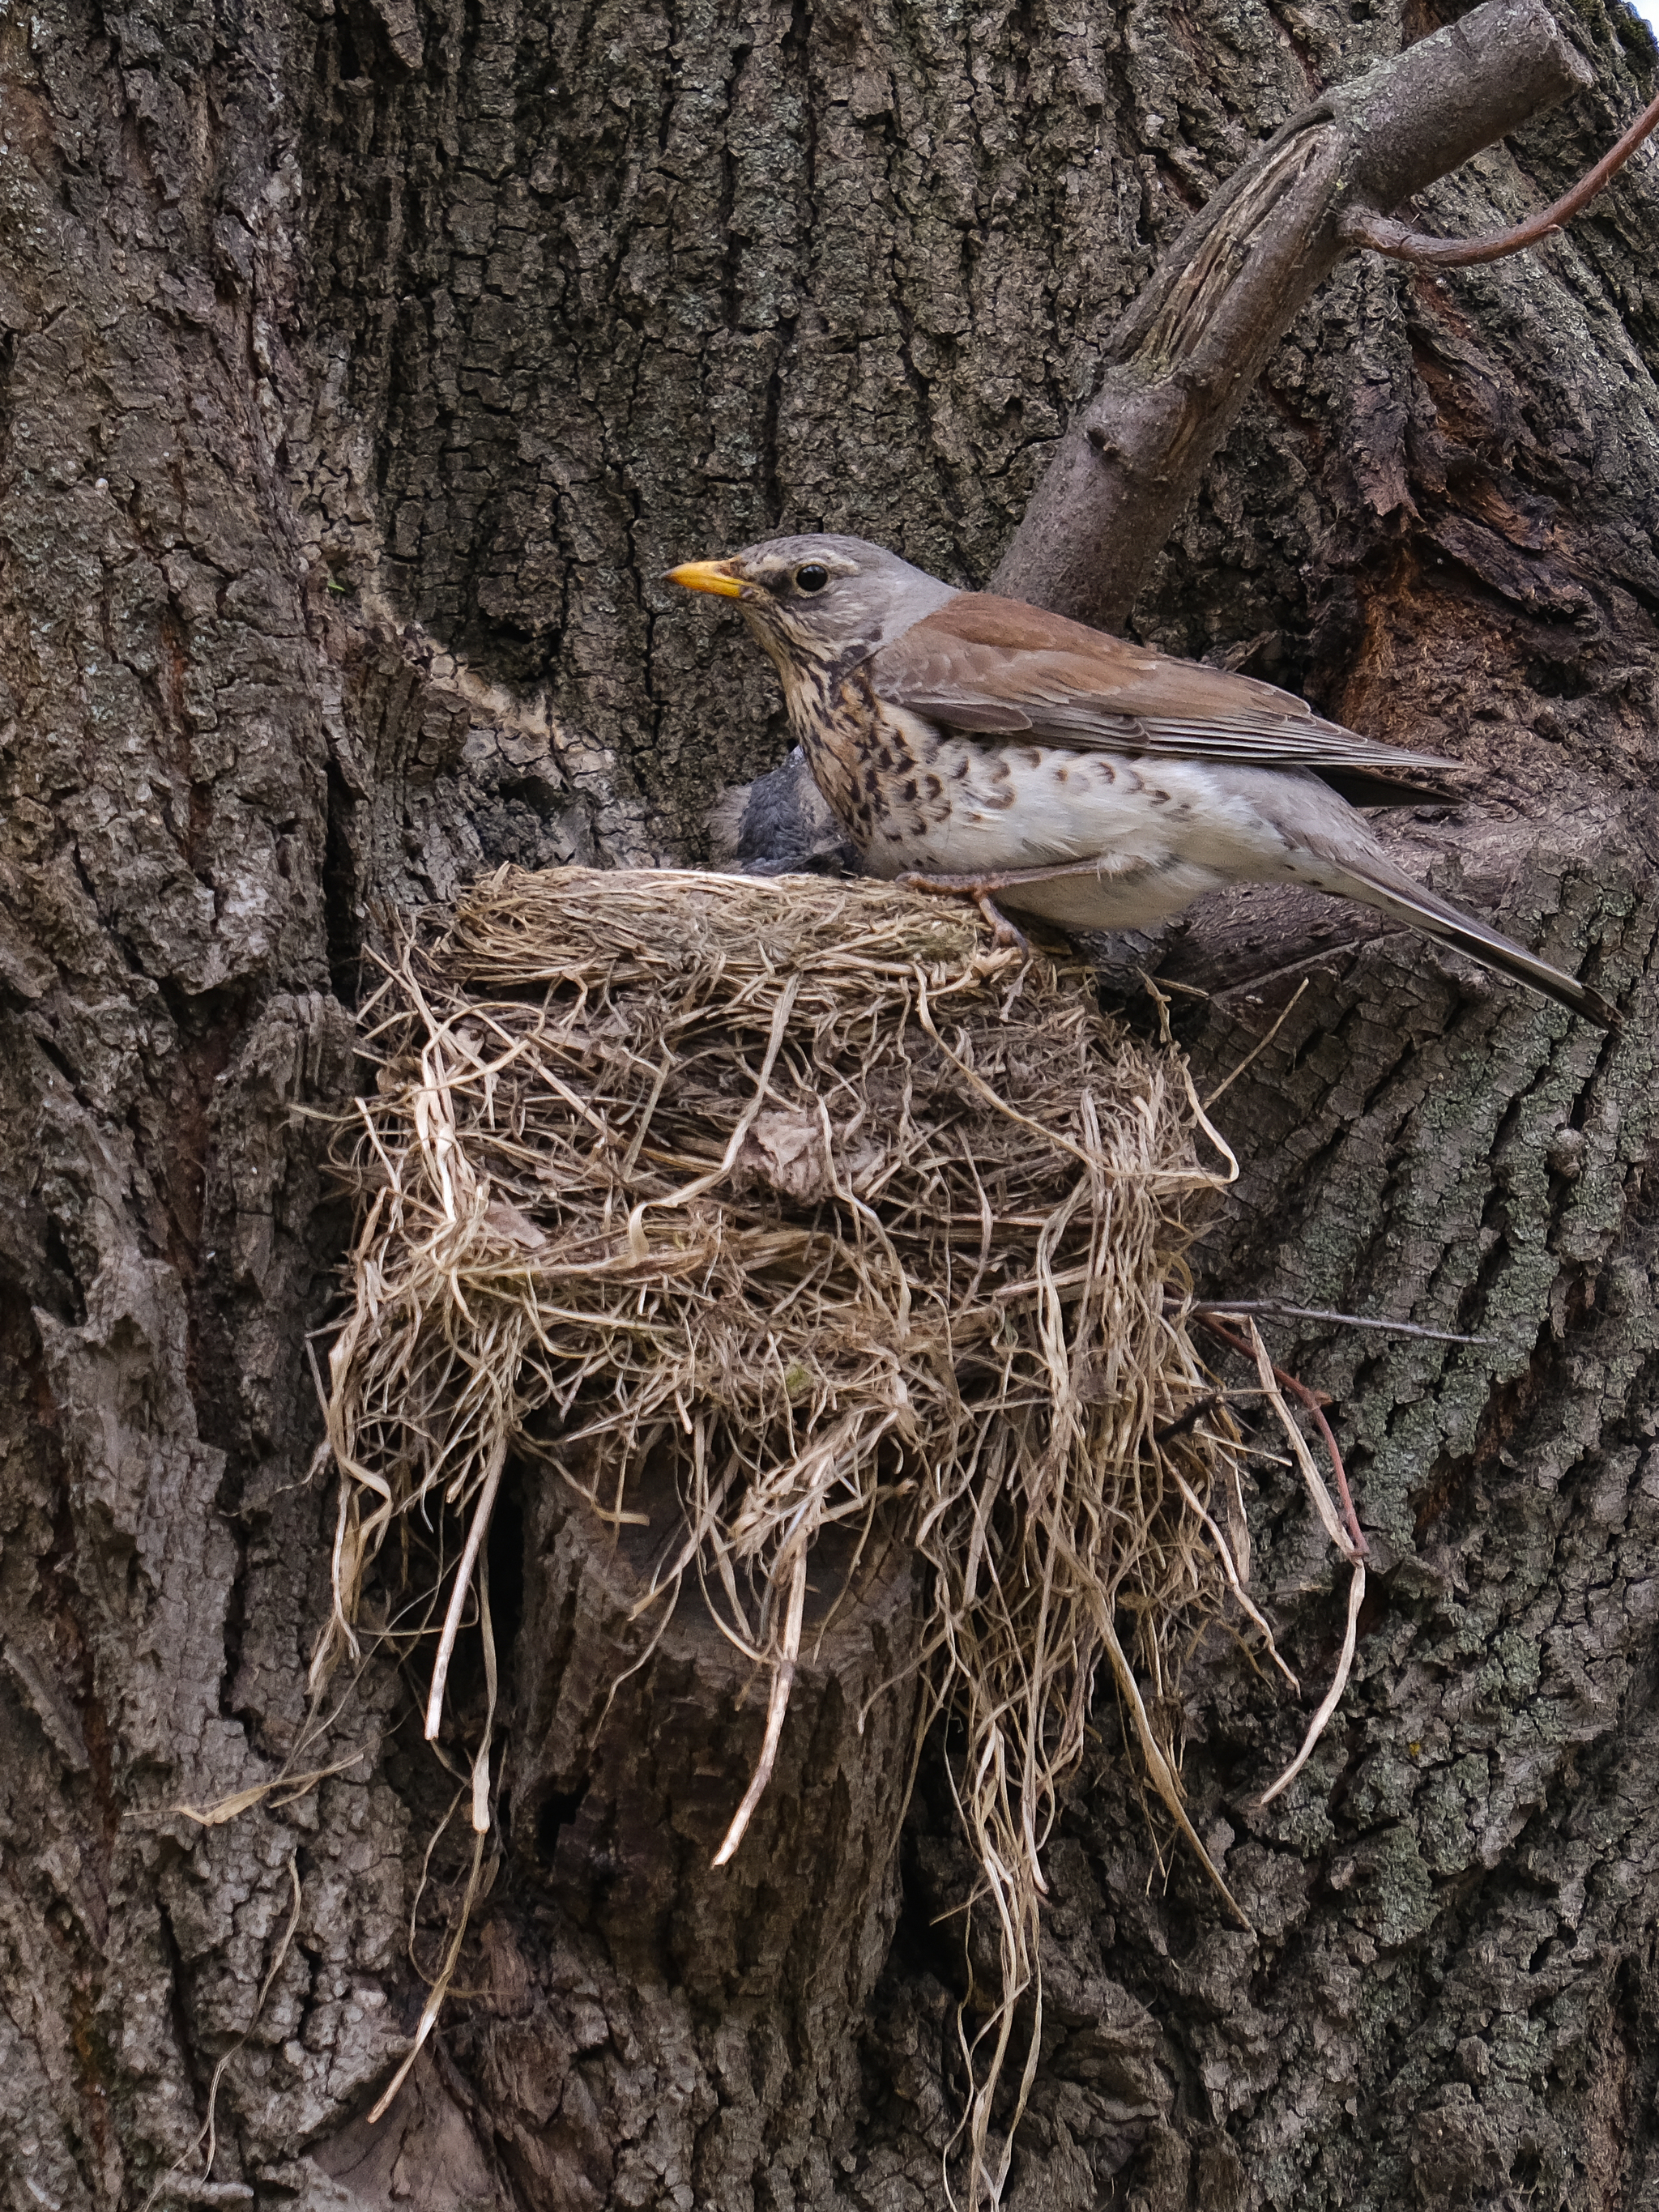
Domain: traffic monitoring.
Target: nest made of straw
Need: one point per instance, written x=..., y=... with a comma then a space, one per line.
x=813, y=1188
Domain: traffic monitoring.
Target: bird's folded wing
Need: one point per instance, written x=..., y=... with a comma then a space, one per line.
x=990, y=666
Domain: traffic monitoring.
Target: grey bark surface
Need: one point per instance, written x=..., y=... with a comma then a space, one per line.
x=363, y=366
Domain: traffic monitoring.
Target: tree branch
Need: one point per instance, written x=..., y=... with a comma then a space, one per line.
x=1396, y=239
x=1185, y=357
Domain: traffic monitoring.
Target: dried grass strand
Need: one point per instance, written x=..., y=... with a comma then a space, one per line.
x=1333, y=1696
x=207, y=2136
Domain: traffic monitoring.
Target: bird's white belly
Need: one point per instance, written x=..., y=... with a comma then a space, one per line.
x=1139, y=839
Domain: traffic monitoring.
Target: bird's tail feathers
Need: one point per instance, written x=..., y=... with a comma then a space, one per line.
x=1379, y=884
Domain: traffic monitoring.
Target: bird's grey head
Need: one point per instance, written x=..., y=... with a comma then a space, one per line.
x=822, y=600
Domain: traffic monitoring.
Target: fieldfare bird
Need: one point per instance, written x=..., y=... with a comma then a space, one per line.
x=974, y=744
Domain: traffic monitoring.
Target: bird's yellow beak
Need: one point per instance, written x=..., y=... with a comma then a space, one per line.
x=707, y=576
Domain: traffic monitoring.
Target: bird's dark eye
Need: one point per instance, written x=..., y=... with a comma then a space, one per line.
x=811, y=576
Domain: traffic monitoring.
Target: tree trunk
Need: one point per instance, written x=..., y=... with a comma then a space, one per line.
x=364, y=365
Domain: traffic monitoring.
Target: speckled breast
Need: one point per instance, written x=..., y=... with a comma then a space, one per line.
x=877, y=769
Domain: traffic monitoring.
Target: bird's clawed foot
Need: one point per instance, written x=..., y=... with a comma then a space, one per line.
x=1003, y=931
x=978, y=889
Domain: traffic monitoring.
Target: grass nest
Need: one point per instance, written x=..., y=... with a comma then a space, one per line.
x=864, y=1221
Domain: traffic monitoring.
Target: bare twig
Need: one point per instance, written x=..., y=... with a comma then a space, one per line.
x=1281, y=1310
x=1365, y=227
x=1186, y=357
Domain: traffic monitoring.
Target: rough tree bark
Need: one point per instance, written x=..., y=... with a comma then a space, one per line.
x=363, y=365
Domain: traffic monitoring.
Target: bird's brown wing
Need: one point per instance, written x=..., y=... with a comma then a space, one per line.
x=991, y=666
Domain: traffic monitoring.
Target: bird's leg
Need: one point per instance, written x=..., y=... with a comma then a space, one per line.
x=979, y=889
x=1003, y=930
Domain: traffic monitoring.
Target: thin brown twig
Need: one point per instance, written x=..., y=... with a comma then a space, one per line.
x=1383, y=235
